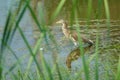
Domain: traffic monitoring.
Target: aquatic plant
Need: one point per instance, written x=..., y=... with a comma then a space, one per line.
x=100, y=56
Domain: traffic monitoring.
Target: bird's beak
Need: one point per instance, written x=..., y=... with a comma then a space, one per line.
x=58, y=22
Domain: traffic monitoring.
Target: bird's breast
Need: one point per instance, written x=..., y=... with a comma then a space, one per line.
x=66, y=33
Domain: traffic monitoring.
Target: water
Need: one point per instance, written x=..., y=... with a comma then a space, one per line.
x=65, y=46
x=97, y=9
x=17, y=45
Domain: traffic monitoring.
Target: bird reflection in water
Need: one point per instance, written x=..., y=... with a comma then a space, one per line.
x=74, y=55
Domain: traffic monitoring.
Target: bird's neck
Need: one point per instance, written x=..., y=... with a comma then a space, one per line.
x=64, y=25
x=65, y=29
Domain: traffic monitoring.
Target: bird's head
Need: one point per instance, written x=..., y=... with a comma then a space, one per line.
x=61, y=21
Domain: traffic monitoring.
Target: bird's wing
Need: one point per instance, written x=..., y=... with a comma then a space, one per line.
x=74, y=36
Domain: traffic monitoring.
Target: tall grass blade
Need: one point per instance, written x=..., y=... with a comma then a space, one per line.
x=35, y=19
x=85, y=65
x=58, y=9
x=31, y=52
x=35, y=51
x=96, y=57
x=17, y=59
x=11, y=23
x=15, y=64
x=89, y=10
x=3, y=42
x=19, y=18
x=41, y=29
x=4, y=35
x=20, y=75
x=58, y=70
x=107, y=12
x=46, y=67
x=118, y=70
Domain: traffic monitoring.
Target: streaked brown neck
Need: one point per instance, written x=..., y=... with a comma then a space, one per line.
x=65, y=29
x=64, y=25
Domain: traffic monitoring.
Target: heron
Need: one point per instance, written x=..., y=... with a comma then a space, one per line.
x=74, y=54
x=73, y=35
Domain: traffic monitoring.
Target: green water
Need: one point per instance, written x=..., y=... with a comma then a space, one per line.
x=96, y=9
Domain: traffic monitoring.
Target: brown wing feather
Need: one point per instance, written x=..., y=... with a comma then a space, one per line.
x=75, y=36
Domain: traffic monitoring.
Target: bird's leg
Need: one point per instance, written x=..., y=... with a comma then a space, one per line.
x=74, y=41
